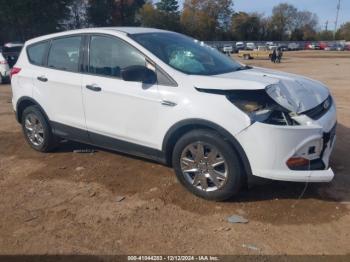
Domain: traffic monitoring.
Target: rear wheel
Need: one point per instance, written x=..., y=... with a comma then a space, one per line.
x=37, y=130
x=207, y=165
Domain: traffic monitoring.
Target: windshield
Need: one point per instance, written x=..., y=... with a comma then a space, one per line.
x=186, y=54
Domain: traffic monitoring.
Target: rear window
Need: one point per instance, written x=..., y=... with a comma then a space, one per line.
x=64, y=53
x=37, y=52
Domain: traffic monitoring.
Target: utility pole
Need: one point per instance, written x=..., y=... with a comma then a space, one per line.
x=336, y=19
x=326, y=26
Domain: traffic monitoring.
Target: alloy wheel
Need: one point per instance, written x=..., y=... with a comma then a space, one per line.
x=204, y=166
x=34, y=129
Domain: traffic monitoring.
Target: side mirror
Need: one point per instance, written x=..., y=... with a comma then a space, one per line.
x=139, y=74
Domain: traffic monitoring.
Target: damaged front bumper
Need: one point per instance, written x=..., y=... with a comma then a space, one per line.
x=269, y=147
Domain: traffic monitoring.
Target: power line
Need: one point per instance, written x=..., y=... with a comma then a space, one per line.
x=337, y=17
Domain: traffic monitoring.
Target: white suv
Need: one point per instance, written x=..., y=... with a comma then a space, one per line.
x=4, y=69
x=167, y=97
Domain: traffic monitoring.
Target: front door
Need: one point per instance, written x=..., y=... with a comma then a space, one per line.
x=118, y=110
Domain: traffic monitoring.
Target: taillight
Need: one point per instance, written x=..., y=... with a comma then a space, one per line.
x=14, y=71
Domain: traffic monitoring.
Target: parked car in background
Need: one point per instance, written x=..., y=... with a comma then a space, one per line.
x=283, y=47
x=262, y=52
x=272, y=47
x=312, y=46
x=11, y=52
x=335, y=47
x=240, y=46
x=330, y=47
x=250, y=46
x=162, y=95
x=316, y=46
x=340, y=47
x=323, y=45
x=228, y=49
x=307, y=46
x=293, y=46
x=4, y=69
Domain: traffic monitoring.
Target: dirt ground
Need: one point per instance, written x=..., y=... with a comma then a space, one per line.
x=67, y=203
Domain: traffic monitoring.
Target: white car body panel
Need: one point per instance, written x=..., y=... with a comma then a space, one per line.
x=60, y=96
x=269, y=147
x=111, y=112
x=190, y=105
x=141, y=115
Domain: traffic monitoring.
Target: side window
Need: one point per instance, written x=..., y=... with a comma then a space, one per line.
x=108, y=56
x=64, y=53
x=36, y=52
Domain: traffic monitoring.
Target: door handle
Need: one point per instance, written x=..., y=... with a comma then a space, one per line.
x=42, y=78
x=168, y=103
x=94, y=88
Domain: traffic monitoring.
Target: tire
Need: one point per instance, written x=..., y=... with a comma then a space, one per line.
x=33, y=118
x=230, y=180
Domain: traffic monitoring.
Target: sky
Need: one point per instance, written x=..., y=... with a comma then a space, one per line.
x=325, y=9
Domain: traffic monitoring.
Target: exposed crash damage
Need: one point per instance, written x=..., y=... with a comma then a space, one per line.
x=293, y=123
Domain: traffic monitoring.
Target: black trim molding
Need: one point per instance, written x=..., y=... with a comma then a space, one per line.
x=200, y=123
x=83, y=136
x=161, y=156
x=27, y=99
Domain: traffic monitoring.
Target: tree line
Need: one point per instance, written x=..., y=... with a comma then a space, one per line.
x=202, y=19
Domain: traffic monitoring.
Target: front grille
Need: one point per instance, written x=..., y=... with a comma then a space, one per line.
x=319, y=111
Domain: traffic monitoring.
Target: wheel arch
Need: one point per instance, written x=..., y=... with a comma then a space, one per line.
x=23, y=103
x=184, y=126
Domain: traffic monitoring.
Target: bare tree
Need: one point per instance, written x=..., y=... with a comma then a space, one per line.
x=283, y=20
x=206, y=19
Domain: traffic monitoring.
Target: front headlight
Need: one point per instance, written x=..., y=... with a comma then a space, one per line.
x=260, y=107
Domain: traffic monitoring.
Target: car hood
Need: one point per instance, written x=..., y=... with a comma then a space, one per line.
x=294, y=92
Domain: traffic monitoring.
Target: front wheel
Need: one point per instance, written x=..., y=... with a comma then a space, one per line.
x=207, y=165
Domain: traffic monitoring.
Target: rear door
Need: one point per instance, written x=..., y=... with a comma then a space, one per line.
x=58, y=86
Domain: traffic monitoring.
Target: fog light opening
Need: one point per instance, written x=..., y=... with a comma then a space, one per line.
x=295, y=162
x=312, y=150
